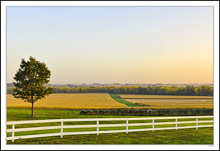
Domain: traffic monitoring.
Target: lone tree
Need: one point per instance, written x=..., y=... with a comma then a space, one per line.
x=30, y=79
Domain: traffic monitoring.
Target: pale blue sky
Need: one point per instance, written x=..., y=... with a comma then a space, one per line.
x=114, y=44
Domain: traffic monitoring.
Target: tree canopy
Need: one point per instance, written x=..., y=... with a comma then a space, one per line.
x=30, y=81
x=150, y=90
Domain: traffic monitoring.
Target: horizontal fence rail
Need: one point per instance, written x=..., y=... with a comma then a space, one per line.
x=152, y=121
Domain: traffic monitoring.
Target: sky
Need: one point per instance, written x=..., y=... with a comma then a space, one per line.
x=113, y=44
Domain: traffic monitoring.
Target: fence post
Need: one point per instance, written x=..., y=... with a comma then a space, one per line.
x=97, y=128
x=13, y=133
x=176, y=123
x=126, y=126
x=196, y=122
x=152, y=124
x=61, y=129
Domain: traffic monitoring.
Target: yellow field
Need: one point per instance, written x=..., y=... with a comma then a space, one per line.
x=69, y=101
x=161, y=101
x=133, y=96
x=104, y=100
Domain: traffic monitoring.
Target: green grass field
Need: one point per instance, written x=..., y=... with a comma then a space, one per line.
x=182, y=136
x=123, y=101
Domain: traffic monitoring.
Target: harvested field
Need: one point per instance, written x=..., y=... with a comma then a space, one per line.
x=69, y=101
x=161, y=101
x=104, y=100
x=133, y=96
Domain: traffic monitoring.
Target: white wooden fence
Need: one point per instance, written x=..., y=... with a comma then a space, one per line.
x=194, y=119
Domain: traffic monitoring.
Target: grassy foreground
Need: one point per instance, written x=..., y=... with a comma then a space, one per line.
x=21, y=114
x=181, y=136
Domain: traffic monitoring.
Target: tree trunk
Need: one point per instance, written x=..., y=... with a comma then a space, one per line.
x=32, y=101
x=32, y=113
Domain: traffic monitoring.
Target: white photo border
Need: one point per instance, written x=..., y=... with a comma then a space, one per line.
x=214, y=4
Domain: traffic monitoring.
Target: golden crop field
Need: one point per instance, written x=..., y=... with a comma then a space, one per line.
x=69, y=101
x=134, y=96
x=160, y=101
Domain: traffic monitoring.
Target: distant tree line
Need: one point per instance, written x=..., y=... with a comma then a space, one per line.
x=151, y=90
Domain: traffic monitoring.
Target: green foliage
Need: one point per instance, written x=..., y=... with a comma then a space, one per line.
x=10, y=90
x=120, y=100
x=151, y=90
x=30, y=81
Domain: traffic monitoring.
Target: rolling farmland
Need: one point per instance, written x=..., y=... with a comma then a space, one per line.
x=161, y=101
x=69, y=101
x=134, y=96
x=104, y=100
x=56, y=106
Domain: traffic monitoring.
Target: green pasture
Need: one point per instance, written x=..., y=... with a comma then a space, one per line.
x=123, y=101
x=181, y=136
